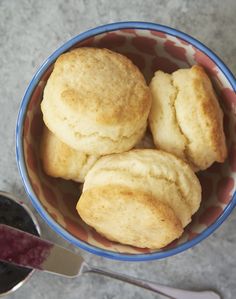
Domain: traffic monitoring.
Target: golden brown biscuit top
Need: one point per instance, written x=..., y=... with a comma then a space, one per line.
x=210, y=108
x=129, y=216
x=104, y=85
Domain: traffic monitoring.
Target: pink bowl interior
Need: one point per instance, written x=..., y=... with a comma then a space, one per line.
x=150, y=51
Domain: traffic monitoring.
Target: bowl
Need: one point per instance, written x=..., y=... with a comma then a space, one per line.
x=151, y=47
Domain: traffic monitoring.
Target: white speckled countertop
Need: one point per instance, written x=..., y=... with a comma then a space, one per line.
x=31, y=30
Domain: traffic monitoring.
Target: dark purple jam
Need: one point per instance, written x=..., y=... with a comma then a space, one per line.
x=13, y=214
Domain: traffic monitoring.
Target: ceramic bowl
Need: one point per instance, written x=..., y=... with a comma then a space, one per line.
x=151, y=47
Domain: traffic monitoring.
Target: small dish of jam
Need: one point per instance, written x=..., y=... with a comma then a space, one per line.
x=16, y=214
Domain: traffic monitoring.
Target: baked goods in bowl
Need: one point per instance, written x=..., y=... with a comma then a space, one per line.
x=151, y=188
x=96, y=101
x=61, y=161
x=186, y=118
x=150, y=47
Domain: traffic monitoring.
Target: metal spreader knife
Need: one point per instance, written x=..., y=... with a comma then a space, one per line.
x=26, y=250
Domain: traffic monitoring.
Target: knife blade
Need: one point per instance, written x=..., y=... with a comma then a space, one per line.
x=26, y=250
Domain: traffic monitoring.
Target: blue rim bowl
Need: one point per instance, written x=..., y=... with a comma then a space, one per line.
x=20, y=153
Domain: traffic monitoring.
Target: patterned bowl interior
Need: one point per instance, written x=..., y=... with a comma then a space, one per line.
x=149, y=50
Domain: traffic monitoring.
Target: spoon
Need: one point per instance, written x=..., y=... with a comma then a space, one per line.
x=26, y=250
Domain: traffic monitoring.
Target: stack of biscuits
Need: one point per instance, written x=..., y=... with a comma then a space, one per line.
x=96, y=107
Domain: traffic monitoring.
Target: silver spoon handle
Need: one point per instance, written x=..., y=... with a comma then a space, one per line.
x=160, y=289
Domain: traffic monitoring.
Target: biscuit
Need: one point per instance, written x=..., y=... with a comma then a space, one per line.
x=96, y=101
x=59, y=160
x=186, y=118
x=159, y=175
x=129, y=216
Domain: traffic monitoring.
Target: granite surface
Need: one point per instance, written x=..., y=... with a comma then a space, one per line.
x=29, y=32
